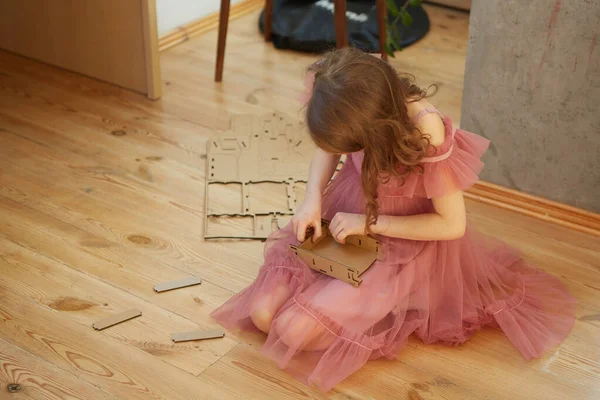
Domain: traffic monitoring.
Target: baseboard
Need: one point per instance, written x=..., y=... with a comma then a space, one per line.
x=464, y=5
x=536, y=207
x=206, y=24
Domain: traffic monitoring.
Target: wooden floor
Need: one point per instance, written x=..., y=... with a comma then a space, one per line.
x=101, y=197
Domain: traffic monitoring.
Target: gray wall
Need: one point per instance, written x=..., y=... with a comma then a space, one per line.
x=532, y=86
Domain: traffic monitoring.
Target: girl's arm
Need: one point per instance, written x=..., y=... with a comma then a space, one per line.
x=322, y=167
x=448, y=222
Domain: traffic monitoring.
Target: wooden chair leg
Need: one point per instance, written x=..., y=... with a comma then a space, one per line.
x=381, y=16
x=268, y=20
x=341, y=25
x=223, y=22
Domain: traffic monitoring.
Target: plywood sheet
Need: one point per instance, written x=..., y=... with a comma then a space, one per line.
x=265, y=160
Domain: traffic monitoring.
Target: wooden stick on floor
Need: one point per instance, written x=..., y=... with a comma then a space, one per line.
x=197, y=335
x=341, y=26
x=178, y=284
x=116, y=319
x=223, y=22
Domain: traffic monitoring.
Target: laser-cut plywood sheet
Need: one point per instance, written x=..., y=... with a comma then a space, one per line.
x=273, y=147
x=255, y=176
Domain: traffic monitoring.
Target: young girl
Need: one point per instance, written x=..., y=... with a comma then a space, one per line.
x=403, y=182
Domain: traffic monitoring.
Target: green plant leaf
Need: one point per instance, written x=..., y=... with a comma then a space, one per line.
x=397, y=39
x=415, y=3
x=388, y=36
x=389, y=42
x=407, y=19
x=392, y=8
x=389, y=50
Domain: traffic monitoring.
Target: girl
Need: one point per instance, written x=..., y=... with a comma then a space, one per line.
x=403, y=182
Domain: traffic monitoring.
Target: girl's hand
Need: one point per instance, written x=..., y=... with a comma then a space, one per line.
x=308, y=215
x=344, y=225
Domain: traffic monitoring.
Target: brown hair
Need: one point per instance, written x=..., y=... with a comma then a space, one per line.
x=359, y=103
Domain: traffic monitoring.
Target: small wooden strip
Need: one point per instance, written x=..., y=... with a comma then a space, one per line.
x=116, y=319
x=181, y=283
x=198, y=335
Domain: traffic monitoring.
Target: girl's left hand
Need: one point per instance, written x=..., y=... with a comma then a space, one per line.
x=345, y=224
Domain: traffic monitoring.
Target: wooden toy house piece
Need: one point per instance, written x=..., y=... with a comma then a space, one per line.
x=346, y=262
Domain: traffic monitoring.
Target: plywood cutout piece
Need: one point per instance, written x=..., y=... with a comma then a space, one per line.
x=272, y=148
x=116, y=319
x=283, y=221
x=197, y=335
x=178, y=284
x=346, y=262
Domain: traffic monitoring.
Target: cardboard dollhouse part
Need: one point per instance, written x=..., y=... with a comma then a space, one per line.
x=116, y=319
x=269, y=148
x=283, y=220
x=197, y=335
x=262, y=226
x=346, y=262
x=181, y=283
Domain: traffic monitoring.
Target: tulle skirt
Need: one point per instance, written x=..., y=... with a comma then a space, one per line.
x=327, y=329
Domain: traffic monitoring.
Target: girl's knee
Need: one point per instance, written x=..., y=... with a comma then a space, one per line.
x=267, y=305
x=262, y=319
x=302, y=332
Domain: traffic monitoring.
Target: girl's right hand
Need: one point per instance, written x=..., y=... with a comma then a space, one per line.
x=308, y=215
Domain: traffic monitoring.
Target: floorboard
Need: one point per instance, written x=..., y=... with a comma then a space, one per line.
x=102, y=196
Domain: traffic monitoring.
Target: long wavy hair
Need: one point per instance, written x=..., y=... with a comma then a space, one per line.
x=359, y=102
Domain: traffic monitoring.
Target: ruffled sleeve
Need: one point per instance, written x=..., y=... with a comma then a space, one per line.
x=455, y=166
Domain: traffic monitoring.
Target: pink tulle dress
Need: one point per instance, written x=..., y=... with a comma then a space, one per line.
x=439, y=291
